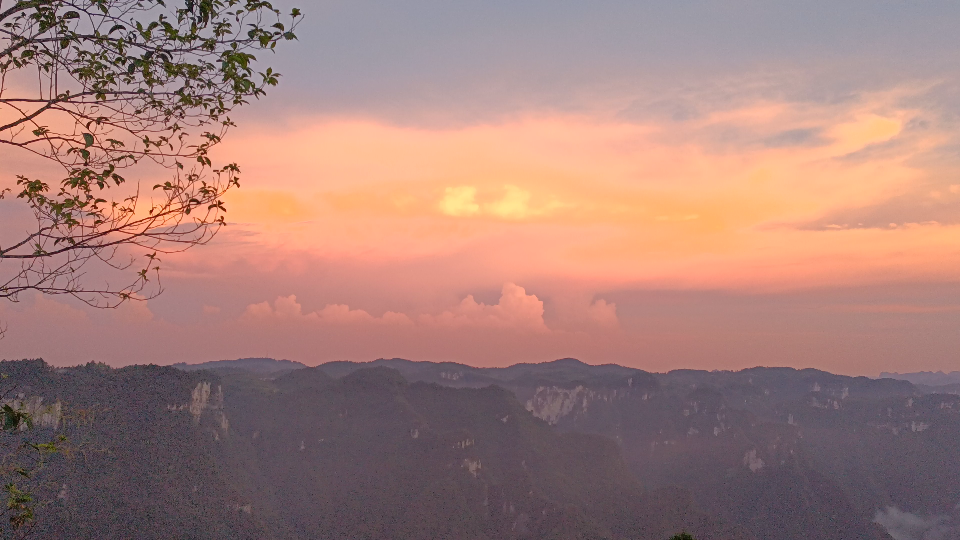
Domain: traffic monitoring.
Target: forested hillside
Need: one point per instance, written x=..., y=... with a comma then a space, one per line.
x=177, y=454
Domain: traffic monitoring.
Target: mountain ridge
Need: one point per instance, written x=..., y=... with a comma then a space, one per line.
x=305, y=455
x=760, y=453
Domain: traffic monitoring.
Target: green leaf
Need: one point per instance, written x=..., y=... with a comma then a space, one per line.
x=87, y=140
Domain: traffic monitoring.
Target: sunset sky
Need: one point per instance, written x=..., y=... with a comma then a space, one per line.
x=686, y=184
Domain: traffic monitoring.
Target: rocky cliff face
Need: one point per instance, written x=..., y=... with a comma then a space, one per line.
x=371, y=452
x=531, y=451
x=788, y=453
x=162, y=453
x=202, y=401
x=143, y=455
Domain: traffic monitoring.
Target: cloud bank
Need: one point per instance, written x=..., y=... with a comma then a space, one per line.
x=516, y=310
x=767, y=194
x=286, y=308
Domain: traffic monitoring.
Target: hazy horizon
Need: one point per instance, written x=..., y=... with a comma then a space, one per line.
x=702, y=185
x=283, y=361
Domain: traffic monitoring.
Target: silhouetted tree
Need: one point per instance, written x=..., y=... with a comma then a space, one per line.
x=126, y=99
x=121, y=101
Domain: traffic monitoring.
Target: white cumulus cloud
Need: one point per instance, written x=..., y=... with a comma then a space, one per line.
x=287, y=307
x=516, y=309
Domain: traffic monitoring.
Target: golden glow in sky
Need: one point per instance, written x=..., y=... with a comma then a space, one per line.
x=662, y=185
x=610, y=202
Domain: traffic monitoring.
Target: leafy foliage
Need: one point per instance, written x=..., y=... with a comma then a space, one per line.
x=123, y=87
x=21, y=461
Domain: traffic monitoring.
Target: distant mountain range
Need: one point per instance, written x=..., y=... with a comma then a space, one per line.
x=393, y=449
x=926, y=378
x=252, y=365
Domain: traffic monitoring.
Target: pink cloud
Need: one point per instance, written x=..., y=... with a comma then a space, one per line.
x=287, y=307
x=578, y=311
x=263, y=309
x=516, y=309
x=47, y=308
x=134, y=311
x=603, y=313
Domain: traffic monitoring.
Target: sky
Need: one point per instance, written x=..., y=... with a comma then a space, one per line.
x=691, y=184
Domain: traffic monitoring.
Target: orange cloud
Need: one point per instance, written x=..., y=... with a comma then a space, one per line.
x=864, y=131
x=459, y=201
x=603, y=200
x=266, y=206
